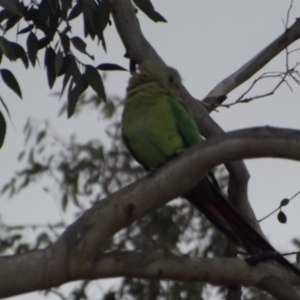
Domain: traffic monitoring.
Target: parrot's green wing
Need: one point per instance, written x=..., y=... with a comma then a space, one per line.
x=186, y=126
x=127, y=144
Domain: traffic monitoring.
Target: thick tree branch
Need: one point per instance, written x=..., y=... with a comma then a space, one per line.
x=79, y=247
x=33, y=271
x=216, y=271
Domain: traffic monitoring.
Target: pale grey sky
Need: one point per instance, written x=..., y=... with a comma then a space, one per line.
x=206, y=41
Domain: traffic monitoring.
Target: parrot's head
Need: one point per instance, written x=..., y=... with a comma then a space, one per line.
x=166, y=76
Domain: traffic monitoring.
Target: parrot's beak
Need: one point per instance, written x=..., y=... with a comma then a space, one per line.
x=176, y=89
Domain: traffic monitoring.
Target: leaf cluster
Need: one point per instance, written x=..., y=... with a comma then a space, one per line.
x=47, y=26
x=49, y=29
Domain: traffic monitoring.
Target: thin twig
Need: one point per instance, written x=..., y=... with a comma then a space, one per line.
x=279, y=207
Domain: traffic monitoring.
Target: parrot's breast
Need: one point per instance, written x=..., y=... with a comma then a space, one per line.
x=150, y=131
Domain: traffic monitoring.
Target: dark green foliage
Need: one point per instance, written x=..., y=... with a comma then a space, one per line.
x=147, y=7
x=11, y=81
x=26, y=29
x=110, y=67
x=65, y=42
x=50, y=57
x=76, y=87
x=93, y=78
x=80, y=45
x=32, y=47
x=2, y=129
x=282, y=218
x=48, y=29
x=284, y=202
x=47, y=26
x=20, y=53
x=7, y=49
x=59, y=63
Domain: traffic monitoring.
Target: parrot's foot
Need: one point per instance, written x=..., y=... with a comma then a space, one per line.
x=254, y=259
x=151, y=171
x=179, y=151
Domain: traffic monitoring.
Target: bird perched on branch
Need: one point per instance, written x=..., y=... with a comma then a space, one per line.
x=156, y=126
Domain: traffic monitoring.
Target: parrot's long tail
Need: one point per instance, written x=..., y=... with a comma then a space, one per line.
x=208, y=199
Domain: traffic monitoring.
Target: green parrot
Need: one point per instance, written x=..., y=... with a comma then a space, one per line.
x=156, y=126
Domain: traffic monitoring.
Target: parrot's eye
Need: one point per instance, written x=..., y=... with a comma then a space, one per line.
x=171, y=79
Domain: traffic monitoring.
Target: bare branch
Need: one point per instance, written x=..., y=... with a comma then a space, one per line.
x=256, y=63
x=282, y=79
x=282, y=203
x=286, y=24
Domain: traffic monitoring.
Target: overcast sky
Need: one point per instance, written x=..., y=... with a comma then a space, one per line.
x=206, y=41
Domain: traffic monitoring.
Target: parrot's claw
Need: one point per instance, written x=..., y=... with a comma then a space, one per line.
x=151, y=171
x=179, y=151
